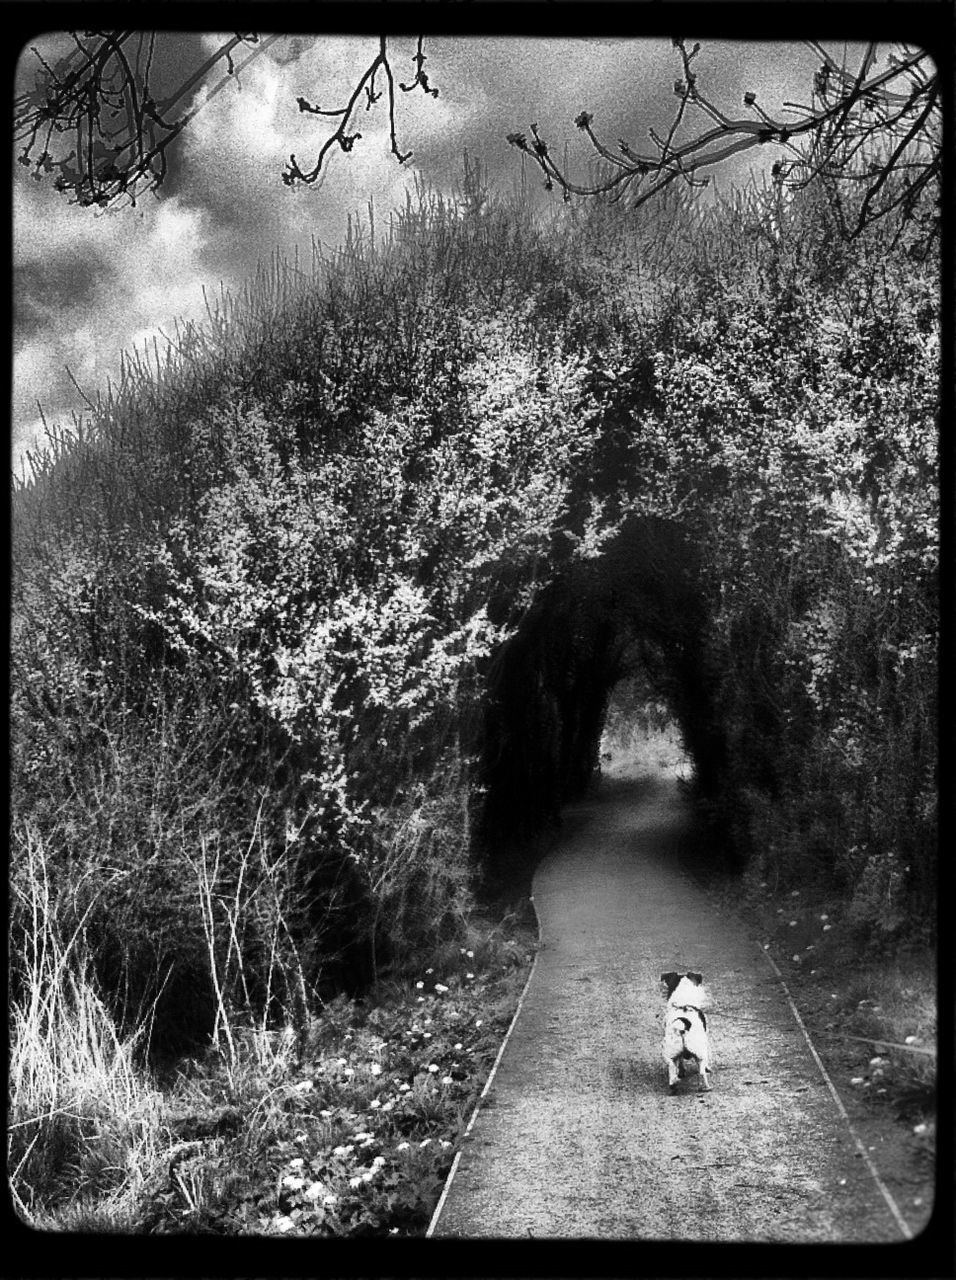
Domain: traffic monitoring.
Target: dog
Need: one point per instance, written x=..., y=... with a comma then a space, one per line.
x=685, y=1028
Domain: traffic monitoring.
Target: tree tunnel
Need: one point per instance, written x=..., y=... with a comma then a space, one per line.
x=638, y=606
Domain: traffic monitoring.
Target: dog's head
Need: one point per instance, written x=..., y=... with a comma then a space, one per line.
x=671, y=980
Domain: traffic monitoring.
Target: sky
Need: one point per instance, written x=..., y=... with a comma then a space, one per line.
x=90, y=284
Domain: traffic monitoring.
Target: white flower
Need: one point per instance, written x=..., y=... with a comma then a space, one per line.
x=433, y=1067
x=330, y=1200
x=325, y=1114
x=910, y=1039
x=440, y=988
x=313, y=1192
x=284, y=1224
x=404, y=1087
x=355, y=1182
x=419, y=986
x=429, y=970
x=458, y=1045
x=342, y=1151
x=375, y=1069
x=478, y=1022
x=470, y=955
x=424, y=1142
x=378, y=1162
x=362, y=1137
x=348, y=1071
x=447, y=1080
x=856, y=1080
x=293, y=1183
x=402, y=1146
x=304, y=1086
x=919, y=1128
x=297, y=1163
x=375, y=1104
x=824, y=916
x=469, y=975
x=827, y=928
x=793, y=924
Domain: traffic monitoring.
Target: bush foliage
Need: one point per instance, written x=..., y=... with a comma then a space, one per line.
x=275, y=608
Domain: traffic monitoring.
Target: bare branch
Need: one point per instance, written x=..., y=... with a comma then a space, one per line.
x=859, y=128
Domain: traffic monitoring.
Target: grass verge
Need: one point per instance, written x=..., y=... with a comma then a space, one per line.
x=346, y=1128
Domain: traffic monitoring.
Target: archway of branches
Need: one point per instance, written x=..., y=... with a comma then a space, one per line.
x=636, y=610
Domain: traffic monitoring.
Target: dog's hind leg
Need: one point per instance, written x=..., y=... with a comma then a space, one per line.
x=703, y=1074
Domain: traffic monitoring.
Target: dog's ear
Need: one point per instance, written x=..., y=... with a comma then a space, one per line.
x=696, y=978
x=669, y=981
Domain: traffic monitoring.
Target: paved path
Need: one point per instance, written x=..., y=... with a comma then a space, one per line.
x=579, y=1136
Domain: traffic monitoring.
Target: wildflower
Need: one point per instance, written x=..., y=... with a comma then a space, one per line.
x=355, y=1182
x=824, y=916
x=402, y=1146
x=404, y=1087
x=440, y=988
x=393, y=1231
x=325, y=1114
x=426, y=1035
x=348, y=1071
x=375, y=1104
x=793, y=924
x=469, y=975
x=313, y=1192
x=445, y=1143
x=421, y=999
x=378, y=1162
x=910, y=1039
x=424, y=1142
x=433, y=1067
x=478, y=1022
x=795, y=959
x=297, y=1163
x=447, y=1080
x=919, y=1128
x=387, y=1106
x=362, y=1137
x=304, y=1086
x=470, y=955
x=458, y=1045
x=827, y=928
x=343, y=1151
x=293, y=1183
x=876, y=1062
x=856, y=1080
x=419, y=986
x=284, y=1224
x=375, y=1069
x=343, y=1062
x=330, y=1200
x=427, y=971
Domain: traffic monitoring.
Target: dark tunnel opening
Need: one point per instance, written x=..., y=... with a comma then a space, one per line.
x=637, y=611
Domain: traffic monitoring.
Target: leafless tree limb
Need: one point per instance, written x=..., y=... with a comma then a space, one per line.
x=98, y=98
x=366, y=85
x=881, y=129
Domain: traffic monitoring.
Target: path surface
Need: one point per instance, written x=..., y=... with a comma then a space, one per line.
x=579, y=1136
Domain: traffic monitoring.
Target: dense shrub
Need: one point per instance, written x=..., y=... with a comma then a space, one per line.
x=261, y=608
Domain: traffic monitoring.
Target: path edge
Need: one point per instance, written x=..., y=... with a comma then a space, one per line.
x=491, y=1075
x=904, y=1227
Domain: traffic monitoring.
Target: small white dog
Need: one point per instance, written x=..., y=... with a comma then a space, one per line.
x=685, y=1027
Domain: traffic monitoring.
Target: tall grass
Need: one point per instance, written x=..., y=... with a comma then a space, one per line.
x=86, y=1125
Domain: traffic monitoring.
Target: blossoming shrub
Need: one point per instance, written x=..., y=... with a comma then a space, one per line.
x=793, y=429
